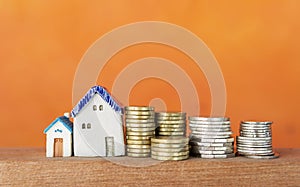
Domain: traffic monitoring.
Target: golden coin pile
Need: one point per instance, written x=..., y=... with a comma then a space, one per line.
x=140, y=127
x=170, y=123
x=169, y=148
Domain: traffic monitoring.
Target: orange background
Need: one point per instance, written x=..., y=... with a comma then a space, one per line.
x=256, y=44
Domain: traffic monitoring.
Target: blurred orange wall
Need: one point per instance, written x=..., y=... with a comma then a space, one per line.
x=255, y=42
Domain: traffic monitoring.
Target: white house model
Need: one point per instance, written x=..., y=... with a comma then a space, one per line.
x=59, y=137
x=98, y=129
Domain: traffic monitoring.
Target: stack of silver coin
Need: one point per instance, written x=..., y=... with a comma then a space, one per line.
x=169, y=148
x=255, y=140
x=170, y=123
x=140, y=127
x=211, y=137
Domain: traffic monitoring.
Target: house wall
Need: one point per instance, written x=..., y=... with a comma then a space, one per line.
x=67, y=140
x=91, y=142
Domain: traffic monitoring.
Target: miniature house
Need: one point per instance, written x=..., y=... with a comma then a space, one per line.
x=59, y=138
x=98, y=129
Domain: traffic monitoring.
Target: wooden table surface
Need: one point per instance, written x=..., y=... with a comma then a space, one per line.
x=30, y=167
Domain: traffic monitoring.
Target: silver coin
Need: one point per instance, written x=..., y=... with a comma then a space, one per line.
x=139, y=117
x=230, y=155
x=221, y=133
x=210, y=122
x=258, y=139
x=169, y=140
x=169, y=114
x=140, y=125
x=226, y=149
x=275, y=155
x=255, y=148
x=255, y=130
x=208, y=144
x=254, y=135
x=208, y=126
x=208, y=152
x=195, y=118
x=257, y=122
x=210, y=129
x=213, y=140
x=139, y=121
x=254, y=142
x=251, y=145
x=139, y=108
x=200, y=136
x=247, y=152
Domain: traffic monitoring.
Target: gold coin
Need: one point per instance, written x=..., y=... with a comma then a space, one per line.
x=140, y=125
x=139, y=121
x=156, y=153
x=183, y=126
x=149, y=133
x=139, y=108
x=182, y=122
x=170, y=118
x=139, y=113
x=163, y=158
x=138, y=150
x=137, y=129
x=139, y=142
x=171, y=114
x=138, y=137
x=161, y=129
x=170, y=140
x=139, y=117
x=171, y=133
x=170, y=150
x=138, y=146
x=140, y=155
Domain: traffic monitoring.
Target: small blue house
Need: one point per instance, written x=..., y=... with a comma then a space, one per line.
x=59, y=135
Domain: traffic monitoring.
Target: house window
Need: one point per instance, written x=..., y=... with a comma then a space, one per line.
x=94, y=107
x=89, y=126
x=101, y=107
x=83, y=126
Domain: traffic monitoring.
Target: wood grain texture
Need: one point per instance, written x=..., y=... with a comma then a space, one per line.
x=30, y=167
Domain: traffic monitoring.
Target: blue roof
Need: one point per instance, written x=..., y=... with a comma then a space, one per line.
x=64, y=120
x=89, y=95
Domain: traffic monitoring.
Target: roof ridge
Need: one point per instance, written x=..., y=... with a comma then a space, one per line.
x=105, y=95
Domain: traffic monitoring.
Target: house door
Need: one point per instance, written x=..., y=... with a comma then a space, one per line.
x=58, y=147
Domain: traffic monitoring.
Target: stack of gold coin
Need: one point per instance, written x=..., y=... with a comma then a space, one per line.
x=140, y=127
x=170, y=123
x=169, y=148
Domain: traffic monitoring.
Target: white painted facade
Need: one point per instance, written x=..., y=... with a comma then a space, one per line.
x=90, y=142
x=58, y=130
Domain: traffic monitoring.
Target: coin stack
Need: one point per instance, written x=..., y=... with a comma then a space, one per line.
x=140, y=127
x=169, y=148
x=170, y=123
x=255, y=140
x=211, y=137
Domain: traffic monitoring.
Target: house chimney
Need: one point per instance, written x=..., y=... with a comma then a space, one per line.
x=67, y=114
